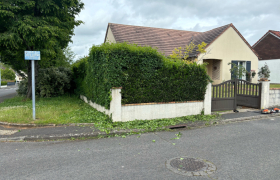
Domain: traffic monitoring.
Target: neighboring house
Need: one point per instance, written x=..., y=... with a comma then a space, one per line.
x=225, y=44
x=268, y=49
x=18, y=77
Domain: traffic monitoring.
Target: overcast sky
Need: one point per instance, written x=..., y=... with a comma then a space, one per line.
x=253, y=18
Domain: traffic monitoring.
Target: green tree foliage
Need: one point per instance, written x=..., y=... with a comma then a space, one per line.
x=179, y=53
x=144, y=74
x=237, y=71
x=41, y=25
x=8, y=74
x=264, y=72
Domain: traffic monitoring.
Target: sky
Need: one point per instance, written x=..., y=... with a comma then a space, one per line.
x=252, y=18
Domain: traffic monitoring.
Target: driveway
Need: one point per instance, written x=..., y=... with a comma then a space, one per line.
x=245, y=150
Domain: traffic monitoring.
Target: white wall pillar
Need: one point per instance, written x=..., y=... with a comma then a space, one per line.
x=116, y=104
x=265, y=94
x=207, y=100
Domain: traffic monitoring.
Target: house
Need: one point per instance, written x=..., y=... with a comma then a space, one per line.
x=18, y=77
x=268, y=49
x=225, y=45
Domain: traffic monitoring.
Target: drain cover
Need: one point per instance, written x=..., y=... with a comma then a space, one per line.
x=190, y=166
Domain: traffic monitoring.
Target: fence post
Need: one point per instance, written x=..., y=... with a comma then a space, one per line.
x=116, y=104
x=207, y=99
x=235, y=94
x=265, y=94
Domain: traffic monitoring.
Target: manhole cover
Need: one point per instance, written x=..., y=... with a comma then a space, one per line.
x=190, y=166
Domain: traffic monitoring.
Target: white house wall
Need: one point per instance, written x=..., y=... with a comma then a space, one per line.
x=110, y=37
x=228, y=47
x=274, y=67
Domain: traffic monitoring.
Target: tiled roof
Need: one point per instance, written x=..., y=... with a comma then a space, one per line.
x=277, y=33
x=166, y=40
x=268, y=45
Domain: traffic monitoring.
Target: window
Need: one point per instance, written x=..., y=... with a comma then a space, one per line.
x=246, y=65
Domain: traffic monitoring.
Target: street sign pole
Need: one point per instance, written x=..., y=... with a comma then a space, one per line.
x=33, y=89
x=33, y=55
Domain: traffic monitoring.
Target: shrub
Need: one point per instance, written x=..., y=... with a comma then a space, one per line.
x=8, y=74
x=22, y=88
x=144, y=73
x=3, y=83
x=53, y=81
x=264, y=72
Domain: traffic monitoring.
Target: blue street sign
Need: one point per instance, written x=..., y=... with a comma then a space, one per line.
x=32, y=55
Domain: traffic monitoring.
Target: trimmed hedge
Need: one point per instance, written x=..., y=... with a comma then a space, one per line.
x=144, y=73
x=4, y=83
x=79, y=69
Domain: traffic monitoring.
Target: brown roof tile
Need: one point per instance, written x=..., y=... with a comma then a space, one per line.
x=166, y=40
x=268, y=46
x=277, y=33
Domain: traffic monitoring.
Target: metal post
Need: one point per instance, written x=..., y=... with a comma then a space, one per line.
x=235, y=94
x=33, y=90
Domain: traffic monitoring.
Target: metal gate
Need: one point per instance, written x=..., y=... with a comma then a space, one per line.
x=230, y=94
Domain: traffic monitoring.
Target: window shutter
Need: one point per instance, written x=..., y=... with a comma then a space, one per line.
x=248, y=68
x=236, y=63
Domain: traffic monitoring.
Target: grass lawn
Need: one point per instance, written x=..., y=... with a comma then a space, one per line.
x=274, y=85
x=66, y=109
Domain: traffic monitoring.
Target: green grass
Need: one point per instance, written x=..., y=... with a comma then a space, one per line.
x=274, y=85
x=65, y=110
x=56, y=110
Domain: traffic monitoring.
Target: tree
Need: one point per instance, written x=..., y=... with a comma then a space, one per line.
x=179, y=53
x=238, y=71
x=41, y=25
x=8, y=74
x=69, y=56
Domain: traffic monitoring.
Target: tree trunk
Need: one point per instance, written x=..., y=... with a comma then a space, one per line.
x=29, y=91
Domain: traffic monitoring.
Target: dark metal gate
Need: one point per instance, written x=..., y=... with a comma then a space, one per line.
x=230, y=94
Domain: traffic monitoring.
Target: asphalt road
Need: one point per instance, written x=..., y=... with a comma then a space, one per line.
x=245, y=150
x=8, y=92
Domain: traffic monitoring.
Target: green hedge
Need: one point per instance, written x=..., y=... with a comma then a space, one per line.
x=79, y=69
x=4, y=83
x=144, y=73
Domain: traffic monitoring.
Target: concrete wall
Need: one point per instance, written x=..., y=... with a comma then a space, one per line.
x=230, y=46
x=96, y=106
x=274, y=97
x=110, y=37
x=149, y=111
x=159, y=111
x=274, y=67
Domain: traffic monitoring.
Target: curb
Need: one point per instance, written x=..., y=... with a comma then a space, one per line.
x=191, y=125
x=68, y=136
x=44, y=125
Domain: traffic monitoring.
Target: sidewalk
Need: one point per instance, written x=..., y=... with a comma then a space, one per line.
x=31, y=133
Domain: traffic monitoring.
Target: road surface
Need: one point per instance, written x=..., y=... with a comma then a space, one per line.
x=243, y=151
